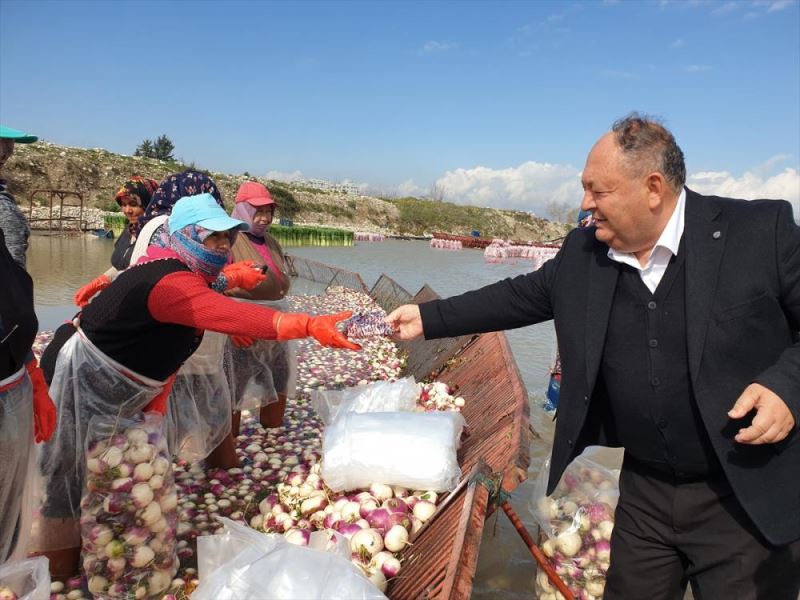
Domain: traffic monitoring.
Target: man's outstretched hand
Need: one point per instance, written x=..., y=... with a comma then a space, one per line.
x=773, y=420
x=406, y=322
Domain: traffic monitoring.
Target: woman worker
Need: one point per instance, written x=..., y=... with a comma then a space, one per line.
x=120, y=353
x=133, y=198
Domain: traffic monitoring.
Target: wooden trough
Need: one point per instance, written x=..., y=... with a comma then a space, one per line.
x=443, y=557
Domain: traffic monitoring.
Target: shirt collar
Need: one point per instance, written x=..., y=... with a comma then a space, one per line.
x=670, y=238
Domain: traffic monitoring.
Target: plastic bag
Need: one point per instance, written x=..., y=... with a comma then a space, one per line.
x=379, y=396
x=576, y=522
x=242, y=564
x=27, y=579
x=259, y=373
x=199, y=408
x=129, y=513
x=86, y=383
x=408, y=449
x=17, y=466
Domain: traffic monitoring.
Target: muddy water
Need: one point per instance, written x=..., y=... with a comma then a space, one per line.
x=59, y=265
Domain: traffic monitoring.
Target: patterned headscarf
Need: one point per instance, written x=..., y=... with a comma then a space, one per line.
x=175, y=187
x=188, y=244
x=140, y=187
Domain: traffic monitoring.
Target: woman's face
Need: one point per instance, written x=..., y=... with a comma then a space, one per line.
x=132, y=207
x=263, y=215
x=219, y=240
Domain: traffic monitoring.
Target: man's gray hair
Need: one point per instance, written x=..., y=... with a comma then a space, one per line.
x=649, y=146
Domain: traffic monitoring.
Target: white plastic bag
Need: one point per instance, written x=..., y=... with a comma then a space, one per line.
x=28, y=579
x=408, y=449
x=379, y=396
x=243, y=564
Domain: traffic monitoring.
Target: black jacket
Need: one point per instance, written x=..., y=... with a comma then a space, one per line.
x=742, y=322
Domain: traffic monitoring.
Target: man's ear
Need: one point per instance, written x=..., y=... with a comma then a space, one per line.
x=657, y=188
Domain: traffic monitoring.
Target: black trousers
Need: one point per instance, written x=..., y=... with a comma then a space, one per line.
x=668, y=533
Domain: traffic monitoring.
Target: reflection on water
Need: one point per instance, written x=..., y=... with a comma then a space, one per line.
x=60, y=265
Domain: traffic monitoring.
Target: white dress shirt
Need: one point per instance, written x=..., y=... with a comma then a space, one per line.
x=666, y=247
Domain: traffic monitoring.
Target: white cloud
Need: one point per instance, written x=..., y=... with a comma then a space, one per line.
x=531, y=186
x=726, y=8
x=408, y=188
x=775, y=5
x=698, y=68
x=751, y=185
x=679, y=43
x=283, y=176
x=432, y=46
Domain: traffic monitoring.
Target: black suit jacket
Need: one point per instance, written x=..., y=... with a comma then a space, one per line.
x=742, y=323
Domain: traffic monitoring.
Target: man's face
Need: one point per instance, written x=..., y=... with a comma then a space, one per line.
x=617, y=199
x=6, y=150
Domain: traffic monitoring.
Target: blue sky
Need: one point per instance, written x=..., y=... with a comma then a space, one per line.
x=495, y=103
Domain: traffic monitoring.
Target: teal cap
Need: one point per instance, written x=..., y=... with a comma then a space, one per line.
x=20, y=137
x=204, y=211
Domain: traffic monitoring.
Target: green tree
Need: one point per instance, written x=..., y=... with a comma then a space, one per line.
x=161, y=148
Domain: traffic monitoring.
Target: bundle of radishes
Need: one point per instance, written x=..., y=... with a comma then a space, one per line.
x=378, y=522
x=437, y=395
x=128, y=513
x=577, y=520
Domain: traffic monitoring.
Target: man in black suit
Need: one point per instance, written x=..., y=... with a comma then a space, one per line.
x=677, y=318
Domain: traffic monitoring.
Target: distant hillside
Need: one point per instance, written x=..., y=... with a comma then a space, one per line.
x=97, y=174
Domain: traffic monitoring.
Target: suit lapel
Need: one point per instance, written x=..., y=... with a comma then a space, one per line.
x=705, y=242
x=600, y=294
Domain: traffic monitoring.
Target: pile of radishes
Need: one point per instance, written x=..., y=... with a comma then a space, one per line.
x=437, y=395
x=580, y=514
x=129, y=514
x=378, y=522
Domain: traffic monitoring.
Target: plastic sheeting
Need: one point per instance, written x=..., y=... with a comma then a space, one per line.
x=28, y=579
x=243, y=564
x=379, y=396
x=86, y=383
x=199, y=410
x=17, y=466
x=413, y=450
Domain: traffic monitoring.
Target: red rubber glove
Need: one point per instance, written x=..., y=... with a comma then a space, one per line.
x=241, y=341
x=243, y=274
x=44, y=411
x=83, y=295
x=291, y=326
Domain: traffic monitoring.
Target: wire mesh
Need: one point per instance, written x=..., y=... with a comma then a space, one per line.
x=389, y=294
x=312, y=277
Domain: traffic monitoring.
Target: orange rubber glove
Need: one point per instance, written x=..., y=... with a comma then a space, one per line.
x=83, y=295
x=159, y=403
x=241, y=341
x=44, y=411
x=291, y=326
x=242, y=274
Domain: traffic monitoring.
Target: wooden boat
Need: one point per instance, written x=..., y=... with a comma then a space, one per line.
x=494, y=459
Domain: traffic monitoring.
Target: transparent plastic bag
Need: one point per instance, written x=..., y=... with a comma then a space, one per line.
x=378, y=396
x=243, y=564
x=576, y=522
x=129, y=513
x=408, y=449
x=17, y=466
x=86, y=383
x=26, y=579
x=199, y=408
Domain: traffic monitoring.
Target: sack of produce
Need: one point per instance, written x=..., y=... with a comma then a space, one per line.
x=415, y=450
x=25, y=579
x=576, y=523
x=243, y=563
x=129, y=511
x=378, y=396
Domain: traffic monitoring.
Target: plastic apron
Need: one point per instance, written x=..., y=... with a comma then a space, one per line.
x=86, y=383
x=17, y=465
x=259, y=373
x=199, y=412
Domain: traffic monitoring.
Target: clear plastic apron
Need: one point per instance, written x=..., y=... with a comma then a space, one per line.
x=17, y=465
x=199, y=412
x=86, y=383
